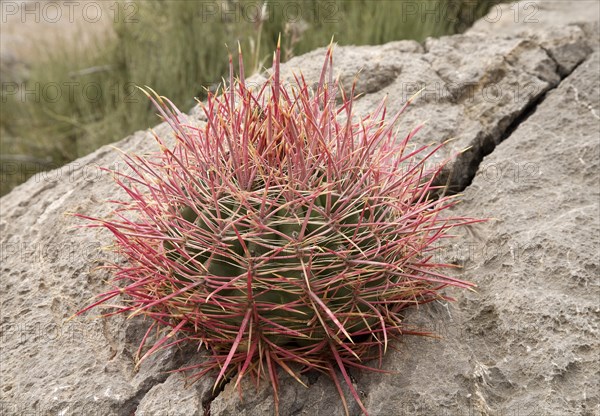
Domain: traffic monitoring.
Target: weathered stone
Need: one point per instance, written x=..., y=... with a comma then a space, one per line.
x=525, y=341
x=565, y=46
x=525, y=17
x=175, y=397
x=566, y=30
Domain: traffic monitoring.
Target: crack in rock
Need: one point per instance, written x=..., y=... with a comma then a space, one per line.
x=473, y=165
x=130, y=406
x=206, y=403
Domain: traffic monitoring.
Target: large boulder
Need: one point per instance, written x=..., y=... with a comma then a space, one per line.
x=525, y=342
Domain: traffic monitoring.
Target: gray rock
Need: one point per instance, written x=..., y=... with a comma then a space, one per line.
x=557, y=26
x=564, y=44
x=530, y=16
x=526, y=341
x=176, y=397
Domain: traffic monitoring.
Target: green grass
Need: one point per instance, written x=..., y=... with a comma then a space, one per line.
x=177, y=47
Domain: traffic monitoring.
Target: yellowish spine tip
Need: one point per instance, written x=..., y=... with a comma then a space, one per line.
x=142, y=89
x=69, y=319
x=466, y=149
x=410, y=100
x=451, y=139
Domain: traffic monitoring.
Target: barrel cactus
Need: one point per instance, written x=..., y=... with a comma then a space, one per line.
x=282, y=234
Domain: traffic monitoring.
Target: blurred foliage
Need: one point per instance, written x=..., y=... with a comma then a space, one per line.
x=76, y=99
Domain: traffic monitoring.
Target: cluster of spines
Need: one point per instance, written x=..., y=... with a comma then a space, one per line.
x=280, y=233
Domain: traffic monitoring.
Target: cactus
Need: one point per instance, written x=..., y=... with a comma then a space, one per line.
x=282, y=234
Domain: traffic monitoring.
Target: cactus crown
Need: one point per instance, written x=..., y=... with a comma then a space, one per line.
x=283, y=233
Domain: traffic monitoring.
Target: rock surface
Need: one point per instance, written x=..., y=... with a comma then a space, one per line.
x=525, y=343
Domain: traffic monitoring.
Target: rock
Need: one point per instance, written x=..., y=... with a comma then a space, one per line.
x=54, y=365
x=535, y=16
x=557, y=28
x=565, y=47
x=526, y=341
x=175, y=397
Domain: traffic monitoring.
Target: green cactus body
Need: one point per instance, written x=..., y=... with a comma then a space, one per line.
x=327, y=228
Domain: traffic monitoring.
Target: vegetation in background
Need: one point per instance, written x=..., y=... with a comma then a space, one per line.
x=75, y=100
